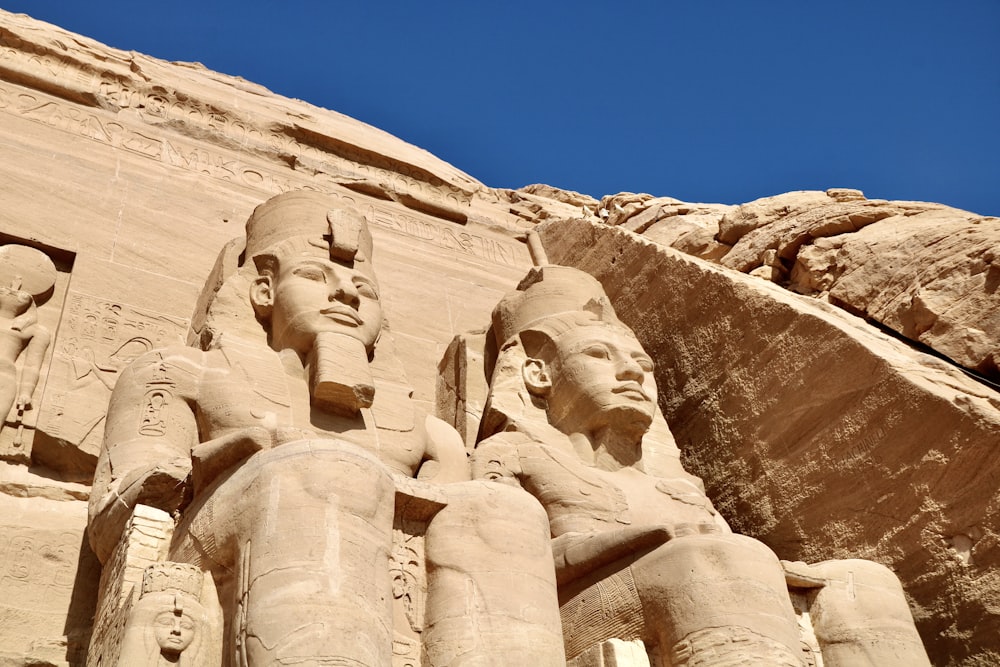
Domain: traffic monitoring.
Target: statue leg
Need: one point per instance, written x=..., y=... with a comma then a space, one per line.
x=491, y=597
x=305, y=531
x=861, y=617
x=8, y=388
x=717, y=599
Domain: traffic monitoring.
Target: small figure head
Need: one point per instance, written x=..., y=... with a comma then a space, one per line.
x=14, y=302
x=175, y=628
x=26, y=275
x=168, y=619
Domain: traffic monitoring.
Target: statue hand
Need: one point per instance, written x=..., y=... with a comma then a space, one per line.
x=163, y=486
x=285, y=434
x=579, y=553
x=803, y=575
x=23, y=402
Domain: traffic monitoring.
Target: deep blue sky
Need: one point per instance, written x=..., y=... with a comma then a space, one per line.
x=722, y=101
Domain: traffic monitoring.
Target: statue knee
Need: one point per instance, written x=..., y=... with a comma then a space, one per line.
x=500, y=520
x=717, y=555
x=699, y=582
x=861, y=616
x=491, y=589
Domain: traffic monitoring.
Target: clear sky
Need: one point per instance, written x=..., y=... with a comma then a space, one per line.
x=722, y=101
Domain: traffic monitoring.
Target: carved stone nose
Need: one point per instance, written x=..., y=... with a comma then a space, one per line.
x=629, y=369
x=347, y=294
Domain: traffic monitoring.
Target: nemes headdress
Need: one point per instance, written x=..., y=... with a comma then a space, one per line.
x=549, y=301
x=545, y=293
x=310, y=220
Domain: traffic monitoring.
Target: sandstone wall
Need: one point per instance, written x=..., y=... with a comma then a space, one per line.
x=925, y=271
x=132, y=174
x=813, y=430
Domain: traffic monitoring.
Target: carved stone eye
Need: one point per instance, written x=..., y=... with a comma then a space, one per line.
x=311, y=273
x=366, y=289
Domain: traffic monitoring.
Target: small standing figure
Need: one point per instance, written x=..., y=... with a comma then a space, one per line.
x=168, y=624
x=27, y=275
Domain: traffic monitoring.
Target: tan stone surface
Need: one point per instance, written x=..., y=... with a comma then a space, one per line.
x=920, y=269
x=148, y=168
x=815, y=432
x=47, y=590
x=286, y=446
x=131, y=174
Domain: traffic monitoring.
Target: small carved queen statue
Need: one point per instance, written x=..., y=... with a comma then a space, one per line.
x=168, y=624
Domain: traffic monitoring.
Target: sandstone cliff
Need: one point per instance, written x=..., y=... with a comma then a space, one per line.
x=790, y=390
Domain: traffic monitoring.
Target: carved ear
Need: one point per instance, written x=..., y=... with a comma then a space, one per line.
x=536, y=377
x=262, y=296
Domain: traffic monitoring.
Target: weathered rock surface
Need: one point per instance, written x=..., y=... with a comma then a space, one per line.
x=815, y=432
x=926, y=271
x=47, y=586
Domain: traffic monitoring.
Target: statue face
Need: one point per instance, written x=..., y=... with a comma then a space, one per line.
x=600, y=376
x=174, y=631
x=310, y=295
x=15, y=299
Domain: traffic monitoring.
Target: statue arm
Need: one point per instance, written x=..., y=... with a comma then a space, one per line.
x=144, y=462
x=444, y=446
x=577, y=554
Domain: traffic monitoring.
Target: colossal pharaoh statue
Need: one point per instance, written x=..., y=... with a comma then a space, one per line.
x=287, y=449
x=639, y=550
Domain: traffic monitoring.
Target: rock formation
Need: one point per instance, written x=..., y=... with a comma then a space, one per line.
x=822, y=398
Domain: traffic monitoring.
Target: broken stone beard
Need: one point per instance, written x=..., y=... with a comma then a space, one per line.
x=340, y=378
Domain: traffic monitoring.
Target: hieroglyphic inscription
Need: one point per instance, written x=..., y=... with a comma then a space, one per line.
x=154, y=104
x=31, y=59
x=409, y=581
x=37, y=571
x=440, y=234
x=175, y=152
x=605, y=609
x=96, y=340
x=406, y=567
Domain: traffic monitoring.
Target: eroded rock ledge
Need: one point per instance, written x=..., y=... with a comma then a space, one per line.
x=926, y=271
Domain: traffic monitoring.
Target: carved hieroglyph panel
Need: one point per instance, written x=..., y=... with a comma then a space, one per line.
x=97, y=339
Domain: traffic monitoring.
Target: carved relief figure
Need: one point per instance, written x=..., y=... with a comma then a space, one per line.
x=287, y=444
x=639, y=550
x=26, y=275
x=168, y=624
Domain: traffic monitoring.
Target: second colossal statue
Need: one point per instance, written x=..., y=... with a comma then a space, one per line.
x=639, y=550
